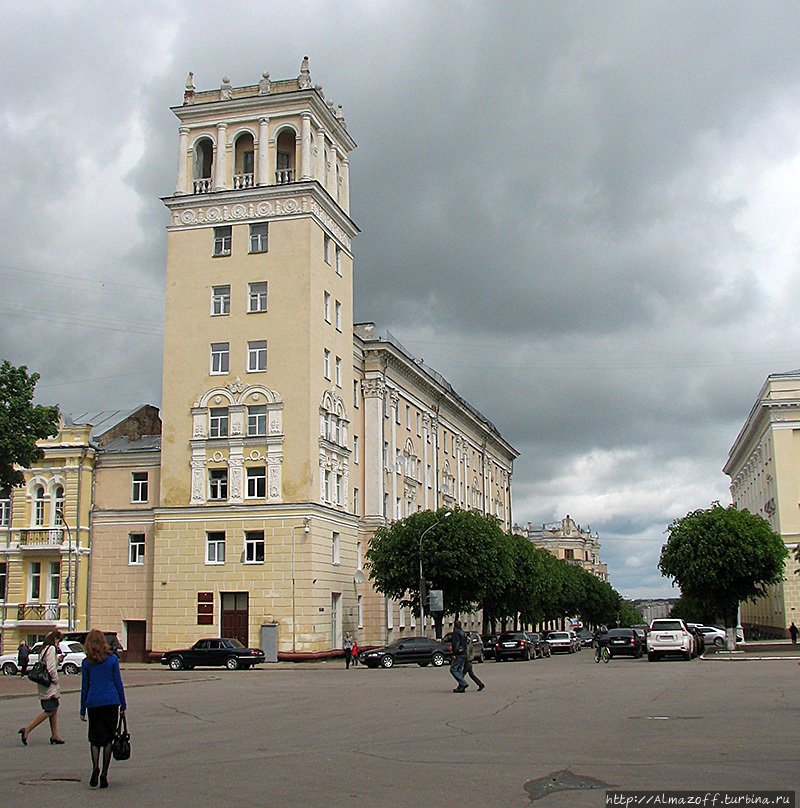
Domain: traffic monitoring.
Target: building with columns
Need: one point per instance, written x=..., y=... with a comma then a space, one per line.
x=764, y=467
x=289, y=433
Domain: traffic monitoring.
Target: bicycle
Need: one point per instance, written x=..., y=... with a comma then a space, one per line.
x=604, y=653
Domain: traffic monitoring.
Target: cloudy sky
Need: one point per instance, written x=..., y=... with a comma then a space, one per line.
x=583, y=214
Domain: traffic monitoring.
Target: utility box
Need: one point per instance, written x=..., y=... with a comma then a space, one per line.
x=269, y=641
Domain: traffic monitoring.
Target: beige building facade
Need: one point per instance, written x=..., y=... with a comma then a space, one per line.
x=289, y=434
x=764, y=467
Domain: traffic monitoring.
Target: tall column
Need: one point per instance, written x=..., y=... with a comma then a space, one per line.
x=219, y=162
x=426, y=477
x=331, y=184
x=344, y=202
x=393, y=456
x=183, y=161
x=374, y=390
x=263, y=151
x=305, y=146
x=319, y=167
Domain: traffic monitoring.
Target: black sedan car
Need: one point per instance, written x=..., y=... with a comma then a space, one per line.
x=489, y=641
x=541, y=647
x=623, y=642
x=225, y=651
x=420, y=650
x=513, y=645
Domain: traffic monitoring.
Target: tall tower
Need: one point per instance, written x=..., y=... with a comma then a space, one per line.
x=258, y=354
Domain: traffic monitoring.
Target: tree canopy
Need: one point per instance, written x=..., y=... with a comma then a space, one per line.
x=722, y=556
x=22, y=423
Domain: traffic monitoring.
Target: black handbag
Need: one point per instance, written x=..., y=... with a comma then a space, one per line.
x=121, y=745
x=39, y=674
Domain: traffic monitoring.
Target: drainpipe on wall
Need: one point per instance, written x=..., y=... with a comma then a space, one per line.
x=71, y=618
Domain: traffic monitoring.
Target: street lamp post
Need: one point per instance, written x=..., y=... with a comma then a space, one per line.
x=70, y=594
x=421, y=577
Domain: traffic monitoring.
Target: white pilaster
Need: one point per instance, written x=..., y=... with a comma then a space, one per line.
x=305, y=146
x=183, y=161
x=263, y=151
x=220, y=161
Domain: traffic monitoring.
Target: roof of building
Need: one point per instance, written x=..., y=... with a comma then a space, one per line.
x=146, y=443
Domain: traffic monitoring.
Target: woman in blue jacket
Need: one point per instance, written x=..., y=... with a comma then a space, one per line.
x=102, y=696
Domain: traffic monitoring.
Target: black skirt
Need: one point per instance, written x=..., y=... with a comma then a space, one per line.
x=102, y=724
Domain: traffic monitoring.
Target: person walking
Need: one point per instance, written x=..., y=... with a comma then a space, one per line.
x=347, y=646
x=49, y=695
x=102, y=697
x=458, y=657
x=468, y=671
x=793, y=633
x=23, y=653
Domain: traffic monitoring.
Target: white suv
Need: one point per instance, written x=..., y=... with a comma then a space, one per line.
x=669, y=636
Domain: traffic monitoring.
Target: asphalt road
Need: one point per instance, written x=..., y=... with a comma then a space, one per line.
x=317, y=735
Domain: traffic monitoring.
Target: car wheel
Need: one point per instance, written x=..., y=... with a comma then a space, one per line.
x=437, y=659
x=387, y=661
x=651, y=657
x=719, y=642
x=175, y=663
x=10, y=669
x=70, y=668
x=232, y=663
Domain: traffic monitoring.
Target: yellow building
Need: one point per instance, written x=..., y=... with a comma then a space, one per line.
x=764, y=467
x=45, y=531
x=288, y=433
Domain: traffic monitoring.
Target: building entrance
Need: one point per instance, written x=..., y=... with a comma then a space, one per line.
x=235, y=616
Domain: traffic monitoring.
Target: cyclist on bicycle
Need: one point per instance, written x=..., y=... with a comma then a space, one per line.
x=600, y=639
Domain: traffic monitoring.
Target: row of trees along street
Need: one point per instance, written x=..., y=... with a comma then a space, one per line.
x=478, y=566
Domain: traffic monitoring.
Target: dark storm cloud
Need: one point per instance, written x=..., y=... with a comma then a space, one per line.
x=580, y=213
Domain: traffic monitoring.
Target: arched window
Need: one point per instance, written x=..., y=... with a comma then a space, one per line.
x=244, y=165
x=38, y=506
x=285, y=157
x=58, y=501
x=203, y=165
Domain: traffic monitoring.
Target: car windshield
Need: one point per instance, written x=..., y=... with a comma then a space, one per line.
x=620, y=632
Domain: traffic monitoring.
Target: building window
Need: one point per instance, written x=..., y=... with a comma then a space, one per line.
x=218, y=422
x=408, y=417
x=34, y=580
x=54, y=582
x=256, y=482
x=217, y=484
x=356, y=504
x=389, y=614
x=220, y=357
x=139, y=486
x=338, y=261
x=257, y=356
x=339, y=496
x=355, y=394
x=258, y=237
x=220, y=300
x=215, y=548
x=335, y=558
x=360, y=612
x=136, y=548
x=257, y=297
x=3, y=579
x=5, y=511
x=256, y=421
x=326, y=364
x=326, y=249
x=326, y=306
x=254, y=547
x=355, y=449
x=327, y=486
x=359, y=556
x=338, y=315
x=38, y=506
x=338, y=371
x=419, y=424
x=569, y=554
x=222, y=240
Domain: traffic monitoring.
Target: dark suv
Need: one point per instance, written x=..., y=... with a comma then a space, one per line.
x=513, y=645
x=112, y=641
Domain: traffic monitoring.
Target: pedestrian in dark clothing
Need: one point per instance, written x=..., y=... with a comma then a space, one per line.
x=347, y=646
x=468, y=671
x=102, y=696
x=458, y=657
x=793, y=633
x=23, y=652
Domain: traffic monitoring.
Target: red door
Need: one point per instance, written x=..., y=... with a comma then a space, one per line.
x=137, y=641
x=235, y=616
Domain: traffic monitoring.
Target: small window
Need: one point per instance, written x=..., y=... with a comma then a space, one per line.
x=326, y=364
x=326, y=249
x=136, y=548
x=257, y=297
x=217, y=484
x=335, y=551
x=38, y=506
x=54, y=582
x=338, y=315
x=5, y=512
x=139, y=492
x=218, y=422
x=256, y=421
x=355, y=393
x=215, y=547
x=256, y=482
x=3, y=579
x=338, y=371
x=258, y=237
x=254, y=547
x=222, y=240
x=339, y=492
x=355, y=449
x=356, y=510
x=408, y=417
x=220, y=358
x=220, y=300
x=338, y=261
x=256, y=356
x=326, y=306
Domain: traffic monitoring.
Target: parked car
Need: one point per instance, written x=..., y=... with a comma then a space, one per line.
x=540, y=645
x=489, y=641
x=669, y=636
x=624, y=642
x=641, y=630
x=112, y=641
x=420, y=650
x=513, y=645
x=561, y=641
x=576, y=640
x=713, y=635
x=70, y=657
x=586, y=637
x=478, y=651
x=226, y=651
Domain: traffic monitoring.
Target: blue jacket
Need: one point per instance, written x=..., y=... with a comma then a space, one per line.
x=101, y=684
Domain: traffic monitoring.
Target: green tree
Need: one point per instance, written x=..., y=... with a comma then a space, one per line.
x=722, y=556
x=22, y=423
x=461, y=555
